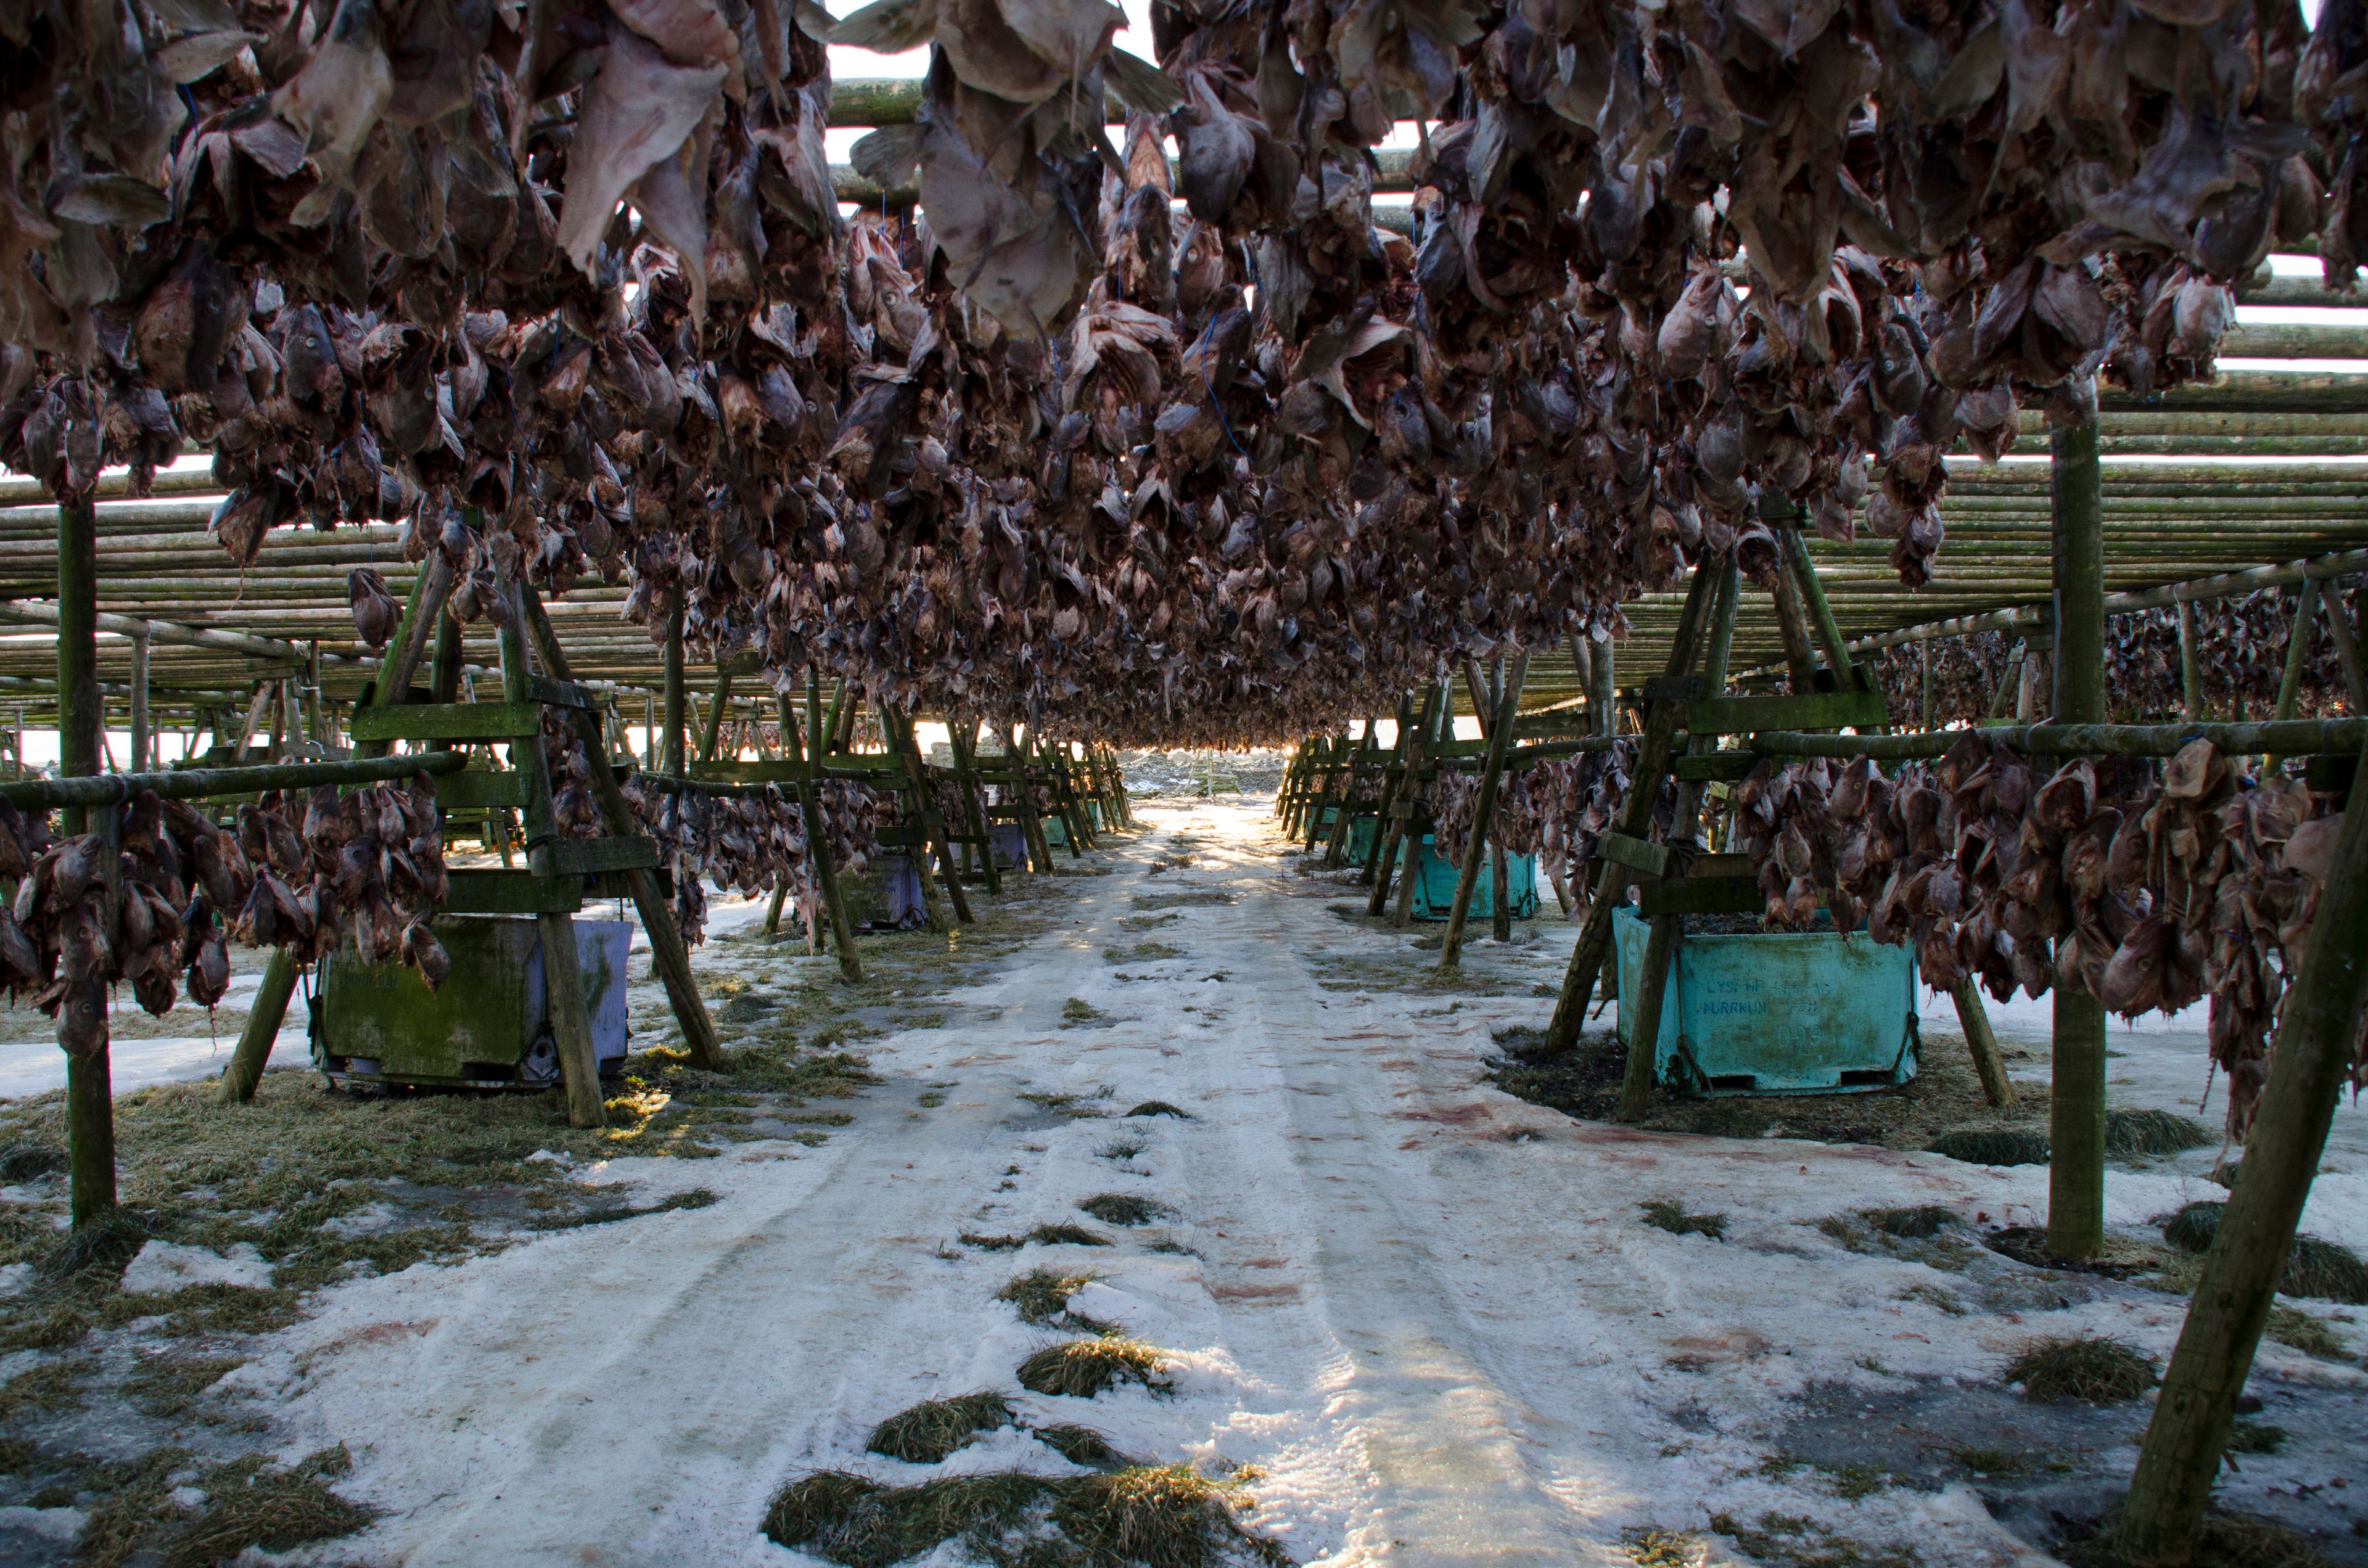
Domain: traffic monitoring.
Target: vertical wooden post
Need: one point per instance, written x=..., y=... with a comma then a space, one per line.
x=1336, y=838
x=1392, y=842
x=2339, y=631
x=1981, y=1042
x=1792, y=625
x=1605, y=698
x=670, y=760
x=1668, y=930
x=1023, y=799
x=965, y=742
x=562, y=973
x=90, y=1100
x=842, y=930
x=2302, y=644
x=669, y=956
x=714, y=739
x=2191, y=667
x=1500, y=924
x=1475, y=852
x=906, y=739
x=2163, y=1517
x=1392, y=770
x=1594, y=948
x=142, y=746
x=2076, y=1169
x=255, y=1041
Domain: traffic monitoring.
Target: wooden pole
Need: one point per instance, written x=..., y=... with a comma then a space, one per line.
x=964, y=743
x=669, y=956
x=562, y=973
x=2163, y=1517
x=2347, y=648
x=906, y=739
x=1792, y=621
x=2191, y=667
x=1391, y=772
x=90, y=1100
x=842, y=930
x=140, y=744
x=714, y=739
x=1392, y=842
x=1501, y=724
x=238, y=1081
x=1981, y=1042
x=1587, y=958
x=2302, y=642
x=1605, y=700
x=1023, y=799
x=671, y=755
x=1668, y=930
x=2076, y=1169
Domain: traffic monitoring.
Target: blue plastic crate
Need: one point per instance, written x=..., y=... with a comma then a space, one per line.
x=1777, y=1012
x=1434, y=886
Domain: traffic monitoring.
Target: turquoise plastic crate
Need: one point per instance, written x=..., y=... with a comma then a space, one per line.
x=1362, y=832
x=1434, y=886
x=1777, y=1012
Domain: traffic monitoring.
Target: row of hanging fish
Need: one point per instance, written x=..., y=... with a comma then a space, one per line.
x=753, y=843
x=2149, y=886
x=296, y=870
x=2240, y=649
x=566, y=290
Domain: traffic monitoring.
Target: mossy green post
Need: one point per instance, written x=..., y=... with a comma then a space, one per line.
x=90, y=1098
x=842, y=930
x=1587, y=958
x=670, y=754
x=2163, y=1517
x=2076, y=1127
x=1501, y=724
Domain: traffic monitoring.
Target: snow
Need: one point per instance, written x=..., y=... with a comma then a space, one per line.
x=1428, y=1312
x=161, y=1267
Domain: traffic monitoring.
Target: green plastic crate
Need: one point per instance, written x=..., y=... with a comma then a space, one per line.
x=1777, y=1012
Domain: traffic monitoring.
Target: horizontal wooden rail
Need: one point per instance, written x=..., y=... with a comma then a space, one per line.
x=197, y=783
x=2283, y=737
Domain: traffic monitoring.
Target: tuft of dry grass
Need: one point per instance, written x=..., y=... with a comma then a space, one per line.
x=1042, y=1295
x=2095, y=1371
x=1123, y=1209
x=930, y=1432
x=1081, y=1368
x=1158, y=1108
x=168, y=1385
x=2322, y=1270
x=1668, y=1214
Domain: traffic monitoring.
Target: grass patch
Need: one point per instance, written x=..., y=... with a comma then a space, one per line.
x=2297, y=1330
x=2255, y=1437
x=2230, y=1539
x=1066, y=1234
x=1076, y=1013
x=250, y=1502
x=1158, y=1108
x=2094, y=1371
x=1121, y=1150
x=45, y=1390
x=169, y=1385
x=1084, y=1367
x=1657, y=1548
x=2134, y=1132
x=1993, y=1146
x=1082, y=1444
x=2322, y=1270
x=2002, y=1464
x=1042, y=1295
x=1122, y=1209
x=1920, y=1223
x=1667, y=1214
x=1197, y=898
x=1077, y=1107
x=934, y=1429
x=1137, y=1517
x=1796, y=1540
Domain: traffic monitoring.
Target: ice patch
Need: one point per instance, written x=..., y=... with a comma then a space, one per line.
x=162, y=1266
x=15, y=1278
x=49, y=1524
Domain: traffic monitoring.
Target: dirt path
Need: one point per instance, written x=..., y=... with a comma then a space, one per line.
x=1427, y=1313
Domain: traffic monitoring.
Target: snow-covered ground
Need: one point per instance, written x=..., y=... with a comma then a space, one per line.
x=1428, y=1313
